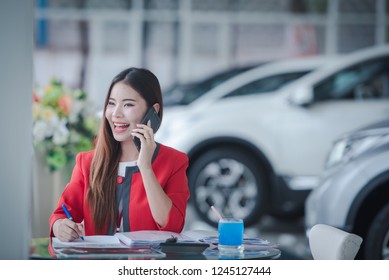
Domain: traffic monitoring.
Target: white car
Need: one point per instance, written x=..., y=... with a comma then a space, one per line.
x=354, y=191
x=257, y=144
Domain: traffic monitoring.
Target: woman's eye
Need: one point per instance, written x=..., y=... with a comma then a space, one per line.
x=111, y=103
x=128, y=105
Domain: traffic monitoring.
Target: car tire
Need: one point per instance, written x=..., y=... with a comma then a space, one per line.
x=377, y=238
x=233, y=181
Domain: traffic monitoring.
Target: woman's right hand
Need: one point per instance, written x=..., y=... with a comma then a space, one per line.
x=67, y=230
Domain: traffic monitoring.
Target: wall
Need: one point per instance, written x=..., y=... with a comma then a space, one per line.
x=16, y=21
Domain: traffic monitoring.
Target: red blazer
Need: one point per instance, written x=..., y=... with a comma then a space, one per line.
x=169, y=166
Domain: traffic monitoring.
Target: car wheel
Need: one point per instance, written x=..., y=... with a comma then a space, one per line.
x=377, y=238
x=230, y=179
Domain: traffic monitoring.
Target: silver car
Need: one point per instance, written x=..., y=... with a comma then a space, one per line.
x=354, y=191
x=258, y=141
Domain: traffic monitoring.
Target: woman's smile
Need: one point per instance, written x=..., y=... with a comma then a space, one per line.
x=120, y=127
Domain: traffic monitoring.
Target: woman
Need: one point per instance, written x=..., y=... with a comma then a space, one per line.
x=116, y=187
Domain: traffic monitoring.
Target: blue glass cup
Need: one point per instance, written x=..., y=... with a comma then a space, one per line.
x=230, y=232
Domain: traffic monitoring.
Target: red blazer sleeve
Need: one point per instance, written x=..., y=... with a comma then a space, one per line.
x=178, y=191
x=74, y=192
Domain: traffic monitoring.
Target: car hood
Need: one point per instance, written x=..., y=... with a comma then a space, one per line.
x=381, y=127
x=173, y=116
x=263, y=102
x=174, y=111
x=377, y=125
x=181, y=117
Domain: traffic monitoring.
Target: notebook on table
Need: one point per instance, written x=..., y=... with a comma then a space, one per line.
x=136, y=243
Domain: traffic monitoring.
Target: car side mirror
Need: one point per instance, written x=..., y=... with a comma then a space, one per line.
x=302, y=97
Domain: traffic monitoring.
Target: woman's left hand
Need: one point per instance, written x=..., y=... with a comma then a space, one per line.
x=146, y=136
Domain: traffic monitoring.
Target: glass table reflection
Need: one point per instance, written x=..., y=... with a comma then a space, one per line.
x=42, y=249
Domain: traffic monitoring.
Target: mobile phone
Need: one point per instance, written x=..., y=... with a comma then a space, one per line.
x=151, y=115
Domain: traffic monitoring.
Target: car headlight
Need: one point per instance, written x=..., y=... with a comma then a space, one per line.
x=346, y=149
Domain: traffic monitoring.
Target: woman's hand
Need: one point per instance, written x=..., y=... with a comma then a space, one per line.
x=67, y=230
x=146, y=136
x=160, y=203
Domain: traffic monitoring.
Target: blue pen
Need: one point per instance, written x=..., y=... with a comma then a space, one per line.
x=65, y=209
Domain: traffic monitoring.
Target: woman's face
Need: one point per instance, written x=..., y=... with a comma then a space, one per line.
x=125, y=108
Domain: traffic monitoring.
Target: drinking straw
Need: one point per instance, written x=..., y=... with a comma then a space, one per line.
x=216, y=212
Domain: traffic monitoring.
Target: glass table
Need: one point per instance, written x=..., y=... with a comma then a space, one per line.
x=42, y=249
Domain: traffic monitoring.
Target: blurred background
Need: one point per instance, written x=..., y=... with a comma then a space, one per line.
x=85, y=43
x=82, y=44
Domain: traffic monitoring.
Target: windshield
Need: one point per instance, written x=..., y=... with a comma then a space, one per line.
x=184, y=94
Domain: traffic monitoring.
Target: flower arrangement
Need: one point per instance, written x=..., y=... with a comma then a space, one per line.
x=64, y=123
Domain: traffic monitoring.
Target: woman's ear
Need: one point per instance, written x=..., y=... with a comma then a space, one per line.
x=156, y=107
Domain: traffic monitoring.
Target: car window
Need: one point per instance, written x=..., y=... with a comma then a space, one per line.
x=267, y=84
x=184, y=94
x=195, y=92
x=362, y=81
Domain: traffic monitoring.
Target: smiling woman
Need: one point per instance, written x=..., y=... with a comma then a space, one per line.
x=116, y=187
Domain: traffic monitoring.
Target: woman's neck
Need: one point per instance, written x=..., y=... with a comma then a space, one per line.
x=129, y=152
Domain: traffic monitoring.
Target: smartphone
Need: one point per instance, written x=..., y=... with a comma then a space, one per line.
x=151, y=115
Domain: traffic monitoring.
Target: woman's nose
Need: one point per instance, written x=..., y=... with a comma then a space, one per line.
x=117, y=112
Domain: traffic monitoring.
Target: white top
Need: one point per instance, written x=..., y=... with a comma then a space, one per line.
x=123, y=165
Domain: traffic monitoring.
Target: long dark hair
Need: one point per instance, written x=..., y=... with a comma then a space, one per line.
x=104, y=167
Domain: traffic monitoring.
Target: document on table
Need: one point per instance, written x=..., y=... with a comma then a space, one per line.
x=125, y=239
x=159, y=236
x=92, y=241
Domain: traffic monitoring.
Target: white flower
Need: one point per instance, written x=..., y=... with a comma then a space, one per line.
x=41, y=130
x=61, y=133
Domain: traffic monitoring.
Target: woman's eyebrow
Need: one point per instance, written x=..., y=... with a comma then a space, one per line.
x=124, y=100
